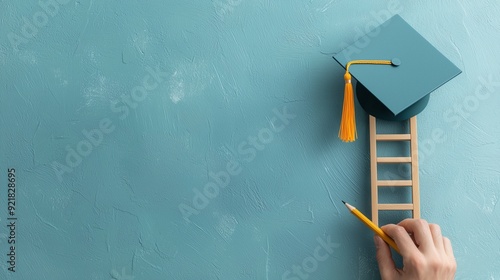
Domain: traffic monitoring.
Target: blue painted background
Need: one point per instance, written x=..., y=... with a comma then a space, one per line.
x=117, y=116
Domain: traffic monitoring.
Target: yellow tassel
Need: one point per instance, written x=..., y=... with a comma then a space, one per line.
x=347, y=131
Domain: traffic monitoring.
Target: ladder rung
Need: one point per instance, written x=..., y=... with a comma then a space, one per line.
x=394, y=183
x=393, y=137
x=403, y=206
x=393, y=159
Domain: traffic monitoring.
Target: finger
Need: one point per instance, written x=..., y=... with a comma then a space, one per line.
x=447, y=247
x=421, y=233
x=402, y=238
x=385, y=262
x=437, y=236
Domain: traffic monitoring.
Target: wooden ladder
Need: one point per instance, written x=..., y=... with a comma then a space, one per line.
x=414, y=206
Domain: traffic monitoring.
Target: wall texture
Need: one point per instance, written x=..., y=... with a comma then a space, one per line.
x=197, y=139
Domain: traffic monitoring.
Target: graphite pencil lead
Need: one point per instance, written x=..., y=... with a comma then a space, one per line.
x=343, y=201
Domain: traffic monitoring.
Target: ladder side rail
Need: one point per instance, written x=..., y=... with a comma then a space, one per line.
x=373, y=169
x=414, y=167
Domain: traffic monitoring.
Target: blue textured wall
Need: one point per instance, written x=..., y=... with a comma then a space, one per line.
x=197, y=139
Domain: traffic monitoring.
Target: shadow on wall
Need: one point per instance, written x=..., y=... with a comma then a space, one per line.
x=327, y=103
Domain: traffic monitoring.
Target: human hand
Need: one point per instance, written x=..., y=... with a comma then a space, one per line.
x=426, y=253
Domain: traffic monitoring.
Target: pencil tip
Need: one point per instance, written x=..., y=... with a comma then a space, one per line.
x=343, y=201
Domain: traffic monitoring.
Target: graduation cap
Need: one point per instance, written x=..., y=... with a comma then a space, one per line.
x=396, y=70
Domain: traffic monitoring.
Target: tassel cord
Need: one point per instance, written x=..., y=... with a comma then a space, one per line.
x=347, y=131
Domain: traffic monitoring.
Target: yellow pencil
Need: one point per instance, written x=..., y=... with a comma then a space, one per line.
x=372, y=226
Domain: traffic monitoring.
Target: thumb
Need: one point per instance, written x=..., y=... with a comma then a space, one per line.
x=384, y=258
